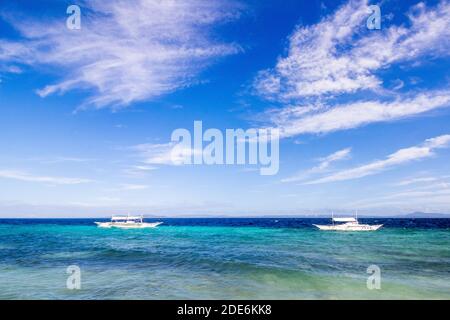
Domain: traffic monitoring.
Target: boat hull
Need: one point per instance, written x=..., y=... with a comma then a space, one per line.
x=119, y=225
x=355, y=227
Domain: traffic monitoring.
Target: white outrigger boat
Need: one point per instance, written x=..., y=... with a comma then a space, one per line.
x=350, y=224
x=127, y=222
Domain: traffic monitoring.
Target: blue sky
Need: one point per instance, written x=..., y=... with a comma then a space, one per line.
x=87, y=115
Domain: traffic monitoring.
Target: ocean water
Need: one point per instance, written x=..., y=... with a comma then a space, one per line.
x=224, y=259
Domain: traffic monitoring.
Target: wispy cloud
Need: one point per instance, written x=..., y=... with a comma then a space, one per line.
x=55, y=160
x=155, y=153
x=398, y=84
x=339, y=55
x=164, y=153
x=336, y=156
x=402, y=156
x=293, y=121
x=139, y=170
x=126, y=51
x=24, y=176
x=326, y=63
x=324, y=164
x=416, y=181
x=425, y=182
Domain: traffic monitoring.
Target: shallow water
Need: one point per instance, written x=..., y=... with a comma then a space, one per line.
x=224, y=259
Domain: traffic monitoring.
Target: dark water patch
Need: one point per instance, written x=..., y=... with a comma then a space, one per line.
x=297, y=223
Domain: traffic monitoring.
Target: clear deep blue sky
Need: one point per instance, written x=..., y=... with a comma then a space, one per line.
x=87, y=115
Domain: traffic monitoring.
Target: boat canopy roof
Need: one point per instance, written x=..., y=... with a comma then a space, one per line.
x=123, y=218
x=344, y=219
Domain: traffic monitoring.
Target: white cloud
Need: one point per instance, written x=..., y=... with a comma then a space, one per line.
x=416, y=180
x=143, y=168
x=336, y=156
x=324, y=163
x=339, y=55
x=426, y=182
x=293, y=121
x=170, y=153
x=425, y=150
x=138, y=171
x=54, y=160
x=23, y=176
x=155, y=153
x=125, y=51
x=398, y=84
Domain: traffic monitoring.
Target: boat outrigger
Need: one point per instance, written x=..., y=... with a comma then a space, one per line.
x=350, y=224
x=127, y=222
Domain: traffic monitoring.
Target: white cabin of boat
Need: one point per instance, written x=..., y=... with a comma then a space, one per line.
x=345, y=220
x=128, y=219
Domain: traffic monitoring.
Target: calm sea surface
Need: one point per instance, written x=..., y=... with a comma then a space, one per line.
x=224, y=259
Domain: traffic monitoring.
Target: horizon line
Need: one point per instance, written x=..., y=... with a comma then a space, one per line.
x=394, y=216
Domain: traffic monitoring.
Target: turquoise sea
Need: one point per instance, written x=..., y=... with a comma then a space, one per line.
x=224, y=259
